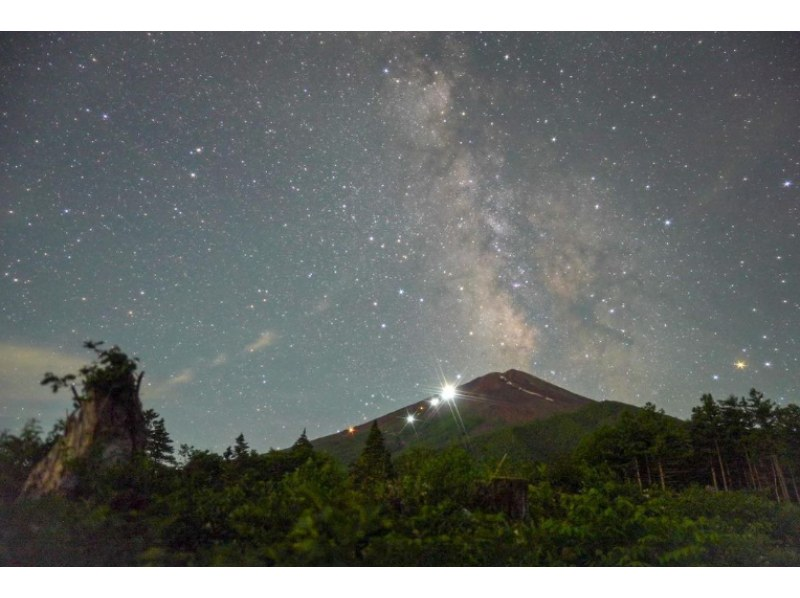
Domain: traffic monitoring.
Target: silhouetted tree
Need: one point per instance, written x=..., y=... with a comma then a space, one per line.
x=159, y=444
x=302, y=449
x=240, y=449
x=374, y=465
x=110, y=369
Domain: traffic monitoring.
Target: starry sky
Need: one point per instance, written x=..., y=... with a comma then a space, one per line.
x=309, y=230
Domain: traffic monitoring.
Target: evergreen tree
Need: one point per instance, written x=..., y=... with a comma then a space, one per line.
x=374, y=465
x=241, y=449
x=303, y=442
x=706, y=432
x=159, y=444
x=302, y=449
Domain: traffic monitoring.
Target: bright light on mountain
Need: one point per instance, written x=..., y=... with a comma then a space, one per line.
x=448, y=392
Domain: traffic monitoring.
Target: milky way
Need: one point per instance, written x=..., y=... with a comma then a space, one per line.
x=310, y=230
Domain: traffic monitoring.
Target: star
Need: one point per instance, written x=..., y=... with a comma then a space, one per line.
x=355, y=176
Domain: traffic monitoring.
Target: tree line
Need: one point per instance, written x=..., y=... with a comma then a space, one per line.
x=744, y=443
x=650, y=489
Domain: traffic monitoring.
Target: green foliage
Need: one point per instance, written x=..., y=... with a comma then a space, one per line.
x=239, y=451
x=747, y=443
x=549, y=439
x=158, y=443
x=373, y=468
x=55, y=532
x=18, y=454
x=110, y=369
x=429, y=477
x=298, y=507
x=110, y=366
x=645, y=446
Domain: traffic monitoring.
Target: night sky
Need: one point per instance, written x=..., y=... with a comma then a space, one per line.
x=310, y=230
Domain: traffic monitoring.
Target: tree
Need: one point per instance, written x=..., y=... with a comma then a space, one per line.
x=706, y=432
x=18, y=455
x=302, y=449
x=111, y=369
x=788, y=430
x=239, y=451
x=647, y=446
x=159, y=444
x=374, y=465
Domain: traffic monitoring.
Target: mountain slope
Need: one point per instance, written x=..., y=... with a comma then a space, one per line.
x=487, y=408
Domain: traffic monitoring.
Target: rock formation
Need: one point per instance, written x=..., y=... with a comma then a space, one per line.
x=108, y=428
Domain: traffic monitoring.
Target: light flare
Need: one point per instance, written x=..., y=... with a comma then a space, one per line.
x=448, y=392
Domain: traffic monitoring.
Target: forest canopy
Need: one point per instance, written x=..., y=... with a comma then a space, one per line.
x=648, y=489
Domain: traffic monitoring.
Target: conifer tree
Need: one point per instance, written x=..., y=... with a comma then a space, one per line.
x=159, y=444
x=303, y=441
x=374, y=465
x=302, y=445
x=241, y=449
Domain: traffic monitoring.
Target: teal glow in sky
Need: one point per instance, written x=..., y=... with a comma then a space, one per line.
x=310, y=230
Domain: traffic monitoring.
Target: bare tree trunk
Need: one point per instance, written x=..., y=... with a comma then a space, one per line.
x=752, y=475
x=775, y=480
x=781, y=478
x=721, y=468
x=757, y=472
x=794, y=485
x=714, y=478
x=661, y=475
x=647, y=466
x=638, y=474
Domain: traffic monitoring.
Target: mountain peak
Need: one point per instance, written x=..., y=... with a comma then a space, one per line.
x=485, y=404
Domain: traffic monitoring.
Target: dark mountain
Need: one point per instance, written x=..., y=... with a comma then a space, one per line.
x=493, y=414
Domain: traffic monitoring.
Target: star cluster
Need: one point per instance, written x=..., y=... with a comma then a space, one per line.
x=307, y=230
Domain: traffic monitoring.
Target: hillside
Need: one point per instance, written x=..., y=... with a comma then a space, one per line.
x=486, y=414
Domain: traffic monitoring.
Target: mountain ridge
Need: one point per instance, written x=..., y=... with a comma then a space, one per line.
x=482, y=406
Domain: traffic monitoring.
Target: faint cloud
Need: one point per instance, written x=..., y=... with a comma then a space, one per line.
x=266, y=339
x=182, y=377
x=23, y=366
x=162, y=390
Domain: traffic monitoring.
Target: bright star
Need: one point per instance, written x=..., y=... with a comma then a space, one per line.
x=740, y=365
